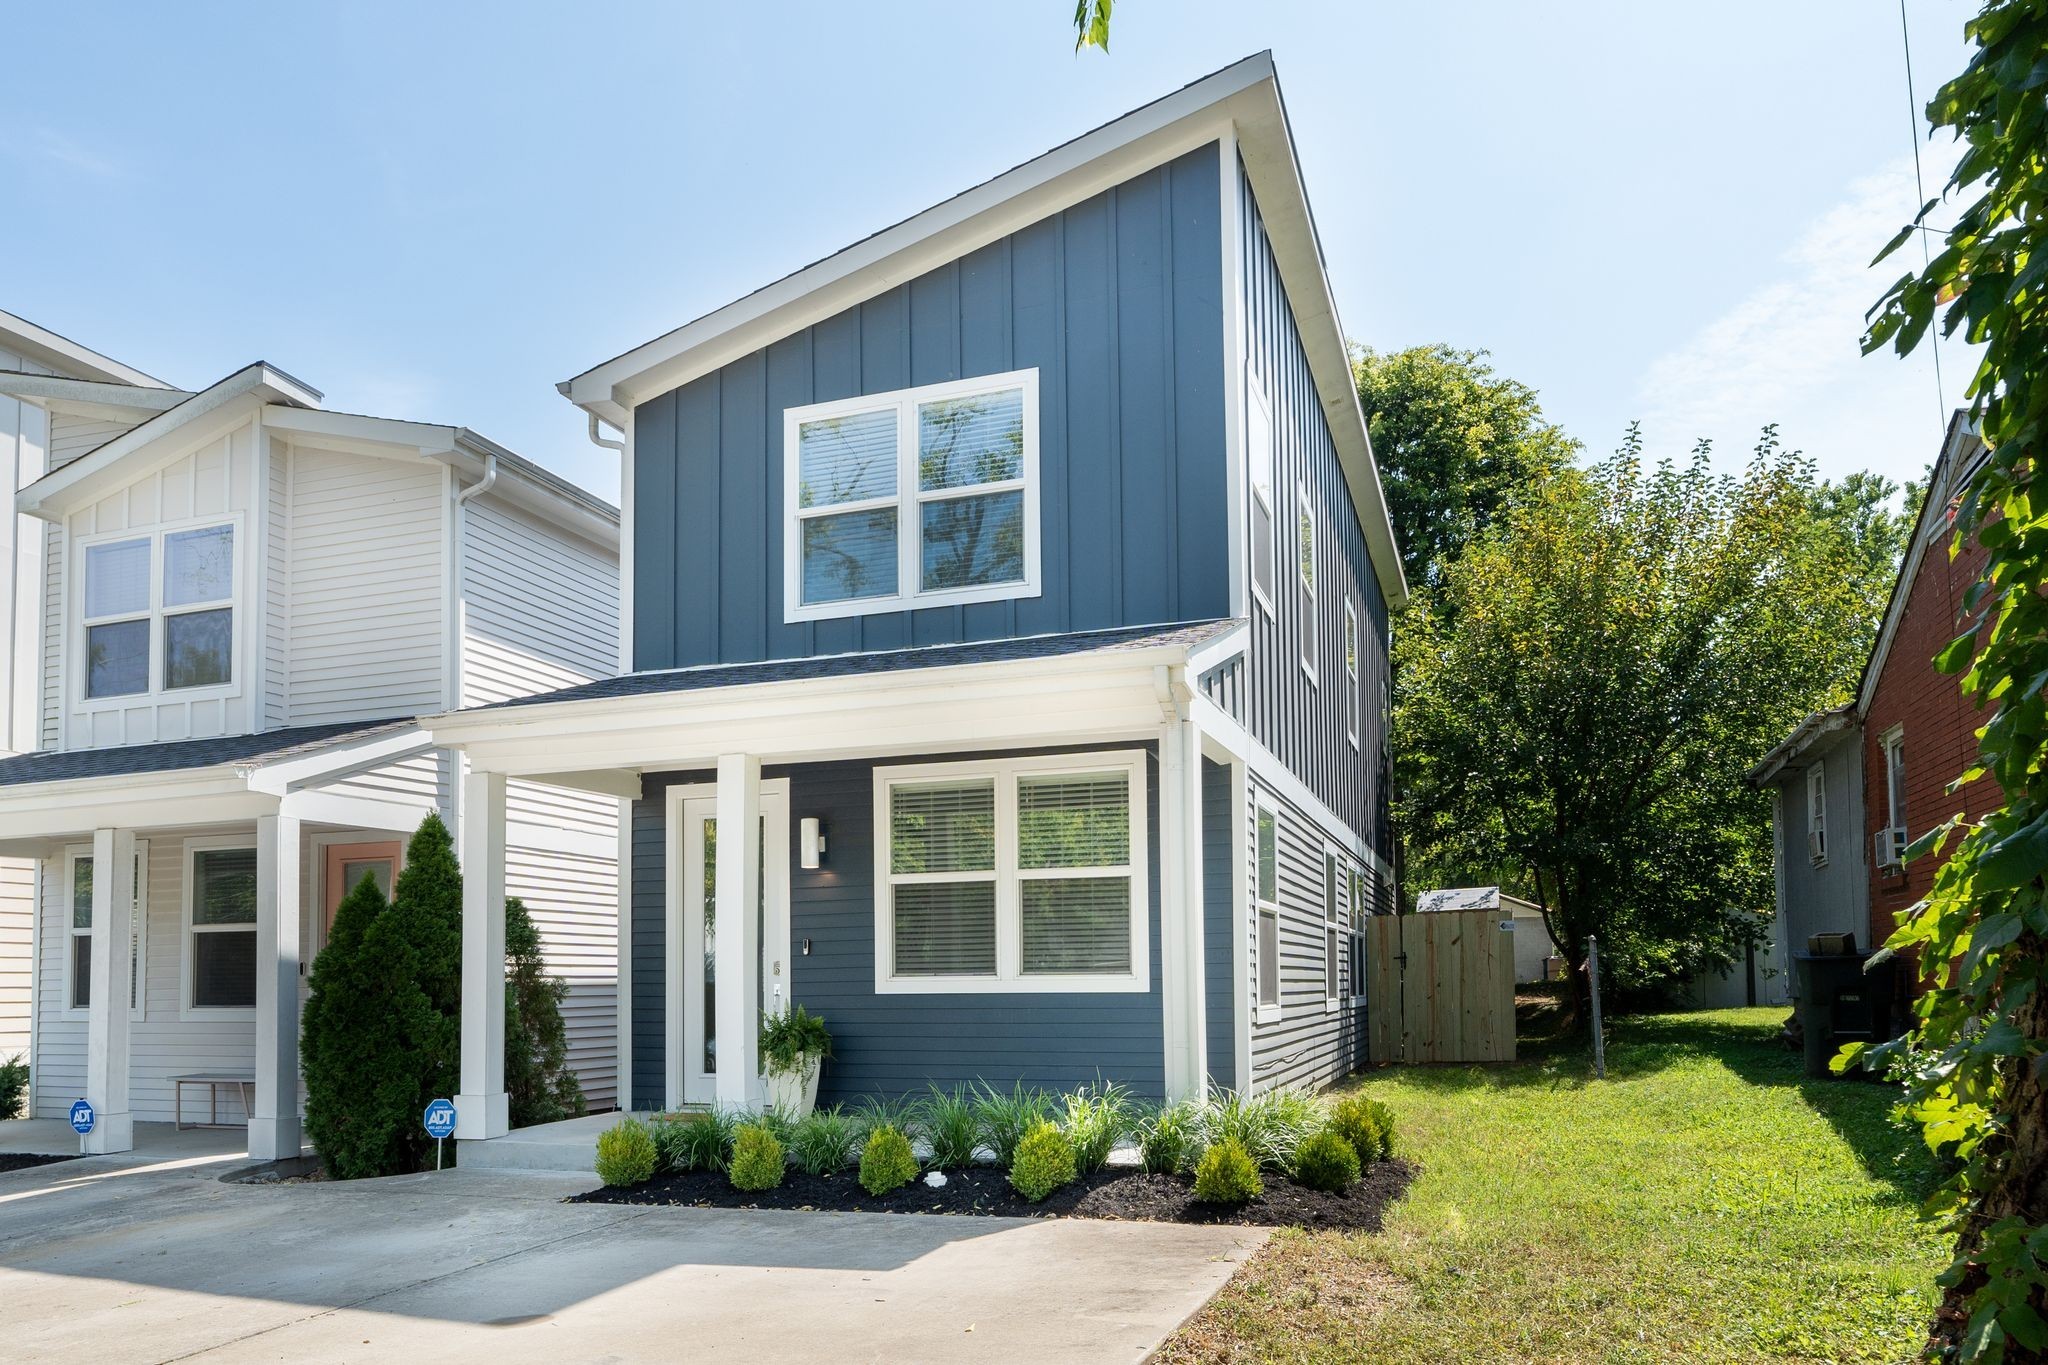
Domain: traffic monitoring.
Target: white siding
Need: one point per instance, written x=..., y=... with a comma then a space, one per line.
x=72, y=436
x=277, y=583
x=574, y=903
x=17, y=918
x=366, y=587
x=423, y=780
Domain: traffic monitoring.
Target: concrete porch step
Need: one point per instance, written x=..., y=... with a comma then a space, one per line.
x=570, y=1145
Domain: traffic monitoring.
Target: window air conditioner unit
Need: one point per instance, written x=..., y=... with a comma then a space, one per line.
x=1888, y=848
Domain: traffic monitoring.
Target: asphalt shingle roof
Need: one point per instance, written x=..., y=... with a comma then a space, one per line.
x=176, y=755
x=1189, y=634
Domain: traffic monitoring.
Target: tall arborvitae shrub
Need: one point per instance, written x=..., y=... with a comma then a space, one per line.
x=348, y=1037
x=538, y=1082
x=416, y=948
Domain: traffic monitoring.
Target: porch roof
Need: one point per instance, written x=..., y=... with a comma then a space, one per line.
x=243, y=751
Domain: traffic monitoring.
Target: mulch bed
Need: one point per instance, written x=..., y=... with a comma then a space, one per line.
x=1125, y=1195
x=21, y=1161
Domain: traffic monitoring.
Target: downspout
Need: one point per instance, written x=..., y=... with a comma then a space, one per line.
x=604, y=441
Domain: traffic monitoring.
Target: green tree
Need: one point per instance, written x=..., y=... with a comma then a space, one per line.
x=1973, y=1064
x=1091, y=24
x=1877, y=523
x=539, y=1085
x=1457, y=445
x=347, y=1036
x=1582, y=692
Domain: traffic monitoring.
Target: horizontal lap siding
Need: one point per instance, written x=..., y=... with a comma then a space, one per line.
x=1309, y=1044
x=573, y=900
x=17, y=925
x=1114, y=301
x=896, y=1044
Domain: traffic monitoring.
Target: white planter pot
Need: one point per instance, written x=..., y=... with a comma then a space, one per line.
x=795, y=1093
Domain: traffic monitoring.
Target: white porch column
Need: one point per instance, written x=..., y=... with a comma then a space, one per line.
x=738, y=961
x=106, y=1045
x=481, y=1109
x=1181, y=965
x=274, y=1127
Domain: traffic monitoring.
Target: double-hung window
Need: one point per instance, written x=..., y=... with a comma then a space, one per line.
x=1357, y=936
x=1354, y=702
x=158, y=612
x=1024, y=874
x=1259, y=455
x=220, y=925
x=1266, y=899
x=1333, y=929
x=78, y=957
x=1305, y=550
x=923, y=497
x=1817, y=814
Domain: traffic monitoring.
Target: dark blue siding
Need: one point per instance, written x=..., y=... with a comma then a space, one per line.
x=896, y=1044
x=1115, y=301
x=1221, y=866
x=1303, y=722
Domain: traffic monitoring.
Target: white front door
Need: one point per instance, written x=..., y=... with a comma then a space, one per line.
x=693, y=936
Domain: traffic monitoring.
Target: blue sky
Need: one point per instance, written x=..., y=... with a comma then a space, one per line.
x=438, y=211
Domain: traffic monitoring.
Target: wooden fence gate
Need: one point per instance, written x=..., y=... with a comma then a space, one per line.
x=1442, y=986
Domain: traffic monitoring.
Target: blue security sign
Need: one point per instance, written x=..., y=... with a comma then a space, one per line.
x=81, y=1118
x=440, y=1119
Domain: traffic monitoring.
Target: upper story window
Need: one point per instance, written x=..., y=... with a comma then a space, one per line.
x=1817, y=814
x=1895, y=782
x=158, y=611
x=1353, y=702
x=1260, y=454
x=1305, y=550
x=919, y=498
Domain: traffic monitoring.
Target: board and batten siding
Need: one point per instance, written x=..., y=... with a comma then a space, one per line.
x=1116, y=302
x=367, y=541
x=1303, y=722
x=897, y=1044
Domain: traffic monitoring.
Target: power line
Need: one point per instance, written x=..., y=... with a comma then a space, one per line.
x=1920, y=197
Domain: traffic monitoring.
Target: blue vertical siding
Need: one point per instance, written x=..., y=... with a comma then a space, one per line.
x=1304, y=723
x=1116, y=301
x=896, y=1044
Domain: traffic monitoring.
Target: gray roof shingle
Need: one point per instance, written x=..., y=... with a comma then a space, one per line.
x=177, y=755
x=705, y=677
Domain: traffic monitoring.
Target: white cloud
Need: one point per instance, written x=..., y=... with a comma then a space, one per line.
x=1788, y=352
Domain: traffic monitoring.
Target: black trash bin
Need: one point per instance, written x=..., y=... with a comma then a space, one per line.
x=1840, y=1002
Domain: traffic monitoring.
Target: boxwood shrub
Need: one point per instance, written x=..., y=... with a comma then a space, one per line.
x=886, y=1161
x=1227, y=1175
x=1045, y=1161
x=625, y=1153
x=756, y=1158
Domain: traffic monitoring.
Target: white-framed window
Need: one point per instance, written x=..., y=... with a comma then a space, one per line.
x=1333, y=932
x=1266, y=900
x=1817, y=814
x=1260, y=457
x=923, y=497
x=77, y=893
x=1358, y=912
x=1305, y=552
x=157, y=612
x=1354, y=700
x=1894, y=743
x=218, y=961
x=1011, y=875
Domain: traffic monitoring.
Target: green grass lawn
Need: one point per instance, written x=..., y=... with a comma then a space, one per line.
x=1704, y=1203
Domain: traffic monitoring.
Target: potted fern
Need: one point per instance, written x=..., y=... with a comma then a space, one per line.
x=794, y=1046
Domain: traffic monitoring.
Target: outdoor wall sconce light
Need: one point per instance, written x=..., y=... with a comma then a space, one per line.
x=810, y=842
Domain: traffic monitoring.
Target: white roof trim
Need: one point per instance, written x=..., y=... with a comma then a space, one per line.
x=62, y=350
x=89, y=397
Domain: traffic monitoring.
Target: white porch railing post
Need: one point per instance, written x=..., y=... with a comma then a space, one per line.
x=274, y=1126
x=481, y=1109
x=106, y=1047
x=738, y=952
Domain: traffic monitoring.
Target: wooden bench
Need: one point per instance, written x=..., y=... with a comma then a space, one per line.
x=213, y=1081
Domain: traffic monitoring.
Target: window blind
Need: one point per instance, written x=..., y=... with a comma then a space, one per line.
x=1074, y=820
x=946, y=929
x=943, y=827
x=1077, y=924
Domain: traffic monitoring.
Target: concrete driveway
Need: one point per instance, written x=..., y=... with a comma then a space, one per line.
x=131, y=1260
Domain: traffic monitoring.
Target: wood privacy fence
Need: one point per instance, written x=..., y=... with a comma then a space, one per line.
x=1441, y=986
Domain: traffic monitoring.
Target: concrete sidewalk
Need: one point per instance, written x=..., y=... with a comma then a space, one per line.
x=171, y=1263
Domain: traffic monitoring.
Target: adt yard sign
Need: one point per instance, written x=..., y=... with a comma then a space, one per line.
x=81, y=1118
x=441, y=1119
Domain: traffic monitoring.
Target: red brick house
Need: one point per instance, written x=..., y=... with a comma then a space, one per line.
x=1918, y=730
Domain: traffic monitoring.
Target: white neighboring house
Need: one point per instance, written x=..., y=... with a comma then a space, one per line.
x=1534, y=951
x=245, y=599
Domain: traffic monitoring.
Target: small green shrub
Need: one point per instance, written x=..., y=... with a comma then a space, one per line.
x=1005, y=1119
x=13, y=1087
x=874, y=1113
x=1268, y=1126
x=1366, y=1124
x=1326, y=1161
x=756, y=1158
x=951, y=1125
x=886, y=1161
x=625, y=1154
x=1171, y=1140
x=823, y=1142
x=1045, y=1161
x=697, y=1142
x=1227, y=1174
x=1097, y=1118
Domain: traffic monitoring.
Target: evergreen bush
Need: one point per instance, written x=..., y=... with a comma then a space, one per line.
x=1226, y=1174
x=1326, y=1161
x=756, y=1159
x=1045, y=1161
x=13, y=1087
x=626, y=1154
x=539, y=1086
x=1366, y=1124
x=886, y=1161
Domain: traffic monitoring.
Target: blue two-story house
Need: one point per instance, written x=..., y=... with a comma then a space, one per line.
x=1005, y=667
